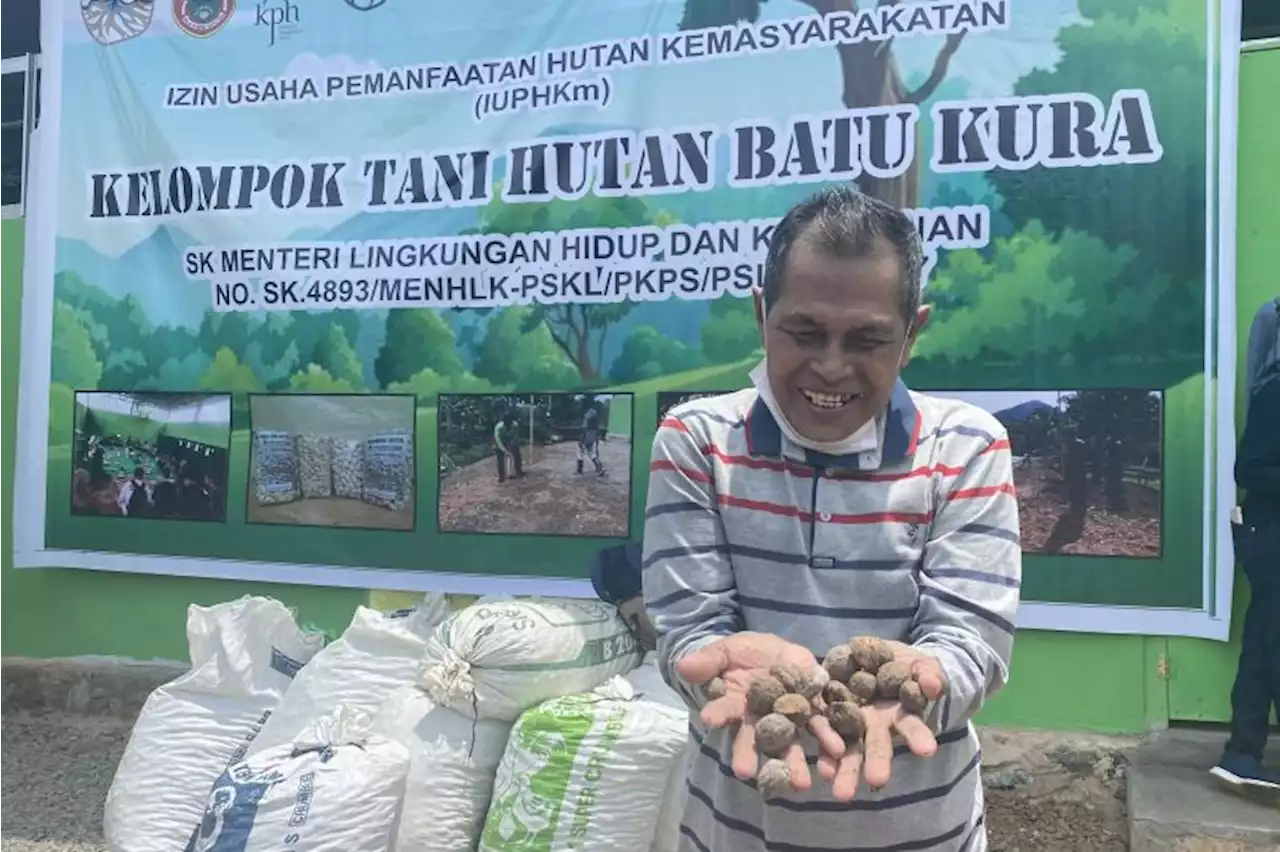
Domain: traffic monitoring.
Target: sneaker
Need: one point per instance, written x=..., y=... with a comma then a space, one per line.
x=1246, y=775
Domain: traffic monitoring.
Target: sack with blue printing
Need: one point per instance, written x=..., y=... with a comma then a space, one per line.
x=336, y=788
x=500, y=656
x=244, y=654
x=377, y=653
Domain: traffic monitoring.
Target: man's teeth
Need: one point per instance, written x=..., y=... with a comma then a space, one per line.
x=827, y=400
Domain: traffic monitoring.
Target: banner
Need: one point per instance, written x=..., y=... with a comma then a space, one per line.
x=391, y=294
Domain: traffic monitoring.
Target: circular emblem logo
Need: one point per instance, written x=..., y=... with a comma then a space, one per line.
x=202, y=18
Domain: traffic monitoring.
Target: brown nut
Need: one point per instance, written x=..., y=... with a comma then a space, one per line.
x=761, y=695
x=713, y=689
x=795, y=707
x=870, y=653
x=839, y=663
x=912, y=697
x=837, y=691
x=789, y=675
x=863, y=687
x=847, y=720
x=774, y=735
x=812, y=684
x=774, y=778
x=890, y=678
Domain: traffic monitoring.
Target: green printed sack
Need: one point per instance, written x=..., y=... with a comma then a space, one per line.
x=585, y=772
x=500, y=656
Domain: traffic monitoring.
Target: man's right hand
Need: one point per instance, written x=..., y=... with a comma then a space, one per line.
x=738, y=660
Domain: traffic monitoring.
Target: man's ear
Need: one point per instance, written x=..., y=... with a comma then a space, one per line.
x=913, y=333
x=757, y=297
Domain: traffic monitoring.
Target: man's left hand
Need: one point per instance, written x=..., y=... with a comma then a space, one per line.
x=873, y=758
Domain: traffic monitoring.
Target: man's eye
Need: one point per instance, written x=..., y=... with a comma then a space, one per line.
x=804, y=336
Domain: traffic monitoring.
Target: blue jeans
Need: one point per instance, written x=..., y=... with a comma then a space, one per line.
x=1257, y=684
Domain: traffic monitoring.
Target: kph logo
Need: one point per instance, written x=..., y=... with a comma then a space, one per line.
x=280, y=17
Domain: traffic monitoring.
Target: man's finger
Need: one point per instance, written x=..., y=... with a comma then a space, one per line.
x=917, y=736
x=704, y=664
x=724, y=711
x=931, y=679
x=827, y=766
x=877, y=755
x=831, y=743
x=800, y=779
x=745, y=763
x=844, y=786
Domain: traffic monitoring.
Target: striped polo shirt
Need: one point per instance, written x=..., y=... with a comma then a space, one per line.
x=916, y=540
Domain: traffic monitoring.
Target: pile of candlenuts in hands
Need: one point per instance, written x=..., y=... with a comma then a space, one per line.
x=851, y=677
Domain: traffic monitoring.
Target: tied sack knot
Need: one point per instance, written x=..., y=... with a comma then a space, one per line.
x=449, y=682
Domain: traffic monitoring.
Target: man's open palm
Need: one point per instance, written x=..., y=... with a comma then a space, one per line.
x=739, y=660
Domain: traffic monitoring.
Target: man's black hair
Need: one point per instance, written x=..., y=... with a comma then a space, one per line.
x=844, y=222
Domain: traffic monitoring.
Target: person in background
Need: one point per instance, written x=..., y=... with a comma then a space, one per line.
x=829, y=501
x=135, y=496
x=1257, y=686
x=506, y=445
x=589, y=439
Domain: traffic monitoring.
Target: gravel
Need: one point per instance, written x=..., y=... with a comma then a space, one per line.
x=57, y=768
x=55, y=774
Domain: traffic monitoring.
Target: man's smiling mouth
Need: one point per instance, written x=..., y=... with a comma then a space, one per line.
x=828, y=401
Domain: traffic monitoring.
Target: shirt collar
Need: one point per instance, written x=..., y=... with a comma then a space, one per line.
x=899, y=434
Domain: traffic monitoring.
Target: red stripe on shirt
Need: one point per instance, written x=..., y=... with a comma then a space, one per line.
x=673, y=423
x=983, y=491
x=695, y=475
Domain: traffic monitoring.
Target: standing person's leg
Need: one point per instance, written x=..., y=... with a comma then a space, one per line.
x=518, y=461
x=595, y=457
x=582, y=455
x=502, y=463
x=1257, y=681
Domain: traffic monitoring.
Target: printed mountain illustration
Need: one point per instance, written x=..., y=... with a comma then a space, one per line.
x=1022, y=412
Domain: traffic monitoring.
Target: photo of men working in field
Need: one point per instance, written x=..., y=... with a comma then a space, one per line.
x=151, y=455
x=549, y=464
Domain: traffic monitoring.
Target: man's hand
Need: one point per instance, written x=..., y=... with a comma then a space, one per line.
x=873, y=758
x=738, y=660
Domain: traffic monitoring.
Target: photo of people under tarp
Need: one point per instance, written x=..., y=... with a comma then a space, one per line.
x=151, y=455
x=549, y=464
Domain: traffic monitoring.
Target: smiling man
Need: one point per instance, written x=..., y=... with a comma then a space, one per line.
x=829, y=501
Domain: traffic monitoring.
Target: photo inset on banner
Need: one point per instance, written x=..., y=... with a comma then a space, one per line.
x=150, y=455
x=342, y=460
x=668, y=400
x=537, y=464
x=1088, y=466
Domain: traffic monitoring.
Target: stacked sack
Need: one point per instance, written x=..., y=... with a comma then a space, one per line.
x=511, y=724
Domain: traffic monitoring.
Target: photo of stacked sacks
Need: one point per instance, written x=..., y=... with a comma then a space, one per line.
x=530, y=724
x=332, y=460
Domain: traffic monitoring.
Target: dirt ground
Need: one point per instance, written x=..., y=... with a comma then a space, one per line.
x=550, y=500
x=57, y=768
x=1049, y=527
x=331, y=512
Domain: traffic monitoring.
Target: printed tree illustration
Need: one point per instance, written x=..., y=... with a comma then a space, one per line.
x=868, y=68
x=578, y=329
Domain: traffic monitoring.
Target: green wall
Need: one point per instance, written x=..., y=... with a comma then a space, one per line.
x=1060, y=681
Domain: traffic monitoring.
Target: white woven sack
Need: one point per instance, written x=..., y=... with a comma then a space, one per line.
x=500, y=656
x=243, y=655
x=647, y=681
x=377, y=653
x=586, y=772
x=452, y=764
x=334, y=788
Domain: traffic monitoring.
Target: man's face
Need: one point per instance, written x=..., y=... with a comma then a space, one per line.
x=836, y=339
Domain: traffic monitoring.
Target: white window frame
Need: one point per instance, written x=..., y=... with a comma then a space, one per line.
x=27, y=66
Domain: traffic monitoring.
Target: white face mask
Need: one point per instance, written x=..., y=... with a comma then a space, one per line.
x=866, y=437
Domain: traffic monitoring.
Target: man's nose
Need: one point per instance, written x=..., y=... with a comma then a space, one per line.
x=833, y=366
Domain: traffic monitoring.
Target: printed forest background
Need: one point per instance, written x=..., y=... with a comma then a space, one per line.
x=1094, y=278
